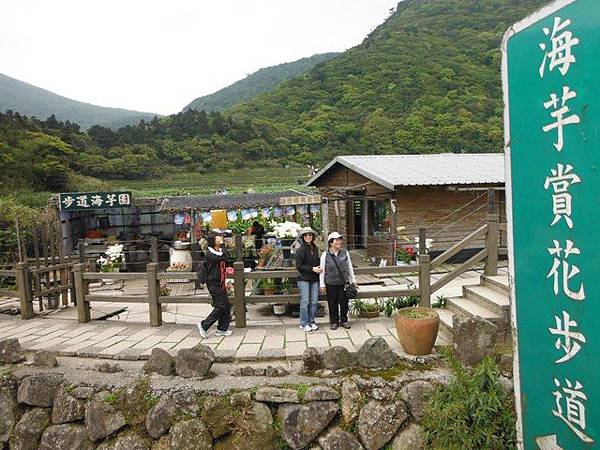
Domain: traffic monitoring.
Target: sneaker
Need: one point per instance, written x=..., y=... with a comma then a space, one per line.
x=346, y=325
x=202, y=331
x=314, y=326
x=223, y=333
x=305, y=328
x=334, y=326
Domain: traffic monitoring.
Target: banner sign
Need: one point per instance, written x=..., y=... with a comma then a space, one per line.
x=552, y=139
x=82, y=201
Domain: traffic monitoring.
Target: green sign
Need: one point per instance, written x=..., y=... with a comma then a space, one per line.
x=81, y=201
x=552, y=137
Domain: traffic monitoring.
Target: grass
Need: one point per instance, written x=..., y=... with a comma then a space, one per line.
x=114, y=398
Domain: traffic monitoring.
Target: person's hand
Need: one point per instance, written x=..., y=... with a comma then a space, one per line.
x=317, y=269
x=322, y=290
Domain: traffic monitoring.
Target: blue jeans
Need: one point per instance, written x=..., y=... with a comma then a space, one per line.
x=309, y=296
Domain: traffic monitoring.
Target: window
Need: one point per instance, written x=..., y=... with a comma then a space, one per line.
x=380, y=224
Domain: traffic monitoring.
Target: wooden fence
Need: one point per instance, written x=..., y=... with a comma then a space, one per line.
x=35, y=281
x=239, y=299
x=69, y=276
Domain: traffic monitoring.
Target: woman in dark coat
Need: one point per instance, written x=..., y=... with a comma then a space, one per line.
x=307, y=264
x=216, y=284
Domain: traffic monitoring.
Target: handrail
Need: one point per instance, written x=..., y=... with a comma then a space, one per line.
x=468, y=264
x=441, y=259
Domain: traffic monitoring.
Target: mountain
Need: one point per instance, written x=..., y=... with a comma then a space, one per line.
x=260, y=81
x=30, y=100
x=427, y=80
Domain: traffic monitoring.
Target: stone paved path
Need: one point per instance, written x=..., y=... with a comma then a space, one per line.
x=136, y=341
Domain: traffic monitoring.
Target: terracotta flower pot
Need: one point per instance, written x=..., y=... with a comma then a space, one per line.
x=369, y=314
x=269, y=291
x=417, y=329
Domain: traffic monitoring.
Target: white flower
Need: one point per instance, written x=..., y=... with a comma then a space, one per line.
x=101, y=260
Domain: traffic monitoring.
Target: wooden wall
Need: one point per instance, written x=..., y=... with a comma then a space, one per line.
x=436, y=208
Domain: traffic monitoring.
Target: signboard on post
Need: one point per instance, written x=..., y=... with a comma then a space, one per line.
x=552, y=137
x=84, y=201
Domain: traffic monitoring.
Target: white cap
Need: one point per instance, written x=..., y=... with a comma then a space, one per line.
x=333, y=235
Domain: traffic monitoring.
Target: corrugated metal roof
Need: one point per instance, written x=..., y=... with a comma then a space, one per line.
x=229, y=201
x=392, y=171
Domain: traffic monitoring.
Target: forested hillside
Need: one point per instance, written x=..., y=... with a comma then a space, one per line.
x=258, y=82
x=30, y=100
x=425, y=81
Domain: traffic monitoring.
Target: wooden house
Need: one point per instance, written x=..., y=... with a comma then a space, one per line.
x=380, y=202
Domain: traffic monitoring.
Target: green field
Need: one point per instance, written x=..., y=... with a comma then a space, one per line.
x=260, y=179
x=268, y=179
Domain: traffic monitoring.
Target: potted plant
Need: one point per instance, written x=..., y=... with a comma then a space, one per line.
x=112, y=260
x=365, y=309
x=264, y=254
x=279, y=309
x=417, y=329
x=268, y=286
x=405, y=255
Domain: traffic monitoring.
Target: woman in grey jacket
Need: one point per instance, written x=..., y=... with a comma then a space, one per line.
x=333, y=278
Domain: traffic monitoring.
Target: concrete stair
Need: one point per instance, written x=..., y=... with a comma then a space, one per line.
x=488, y=299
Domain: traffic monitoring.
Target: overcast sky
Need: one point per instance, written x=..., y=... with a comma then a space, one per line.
x=157, y=56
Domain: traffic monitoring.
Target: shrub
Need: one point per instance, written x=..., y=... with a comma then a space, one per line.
x=473, y=412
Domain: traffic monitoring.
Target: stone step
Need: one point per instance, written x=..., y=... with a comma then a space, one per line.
x=497, y=282
x=488, y=298
x=469, y=307
x=446, y=321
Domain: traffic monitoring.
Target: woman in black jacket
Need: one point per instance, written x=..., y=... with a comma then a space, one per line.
x=216, y=284
x=307, y=264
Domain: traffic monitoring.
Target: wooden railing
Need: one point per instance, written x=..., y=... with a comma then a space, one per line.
x=81, y=277
x=239, y=298
x=28, y=281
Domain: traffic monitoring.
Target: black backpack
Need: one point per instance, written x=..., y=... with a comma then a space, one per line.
x=201, y=279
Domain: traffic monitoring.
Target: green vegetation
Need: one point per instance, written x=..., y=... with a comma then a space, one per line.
x=425, y=81
x=258, y=82
x=473, y=412
x=34, y=101
x=115, y=397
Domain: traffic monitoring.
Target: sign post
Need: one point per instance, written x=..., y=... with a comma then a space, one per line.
x=83, y=201
x=551, y=83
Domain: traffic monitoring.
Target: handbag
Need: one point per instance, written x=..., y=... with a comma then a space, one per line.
x=350, y=289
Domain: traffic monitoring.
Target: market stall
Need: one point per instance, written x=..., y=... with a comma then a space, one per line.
x=171, y=230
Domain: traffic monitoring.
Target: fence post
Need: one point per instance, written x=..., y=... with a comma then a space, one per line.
x=422, y=241
x=238, y=247
x=491, y=199
x=81, y=248
x=425, y=280
x=491, y=243
x=154, y=250
x=83, y=307
x=153, y=294
x=239, y=294
x=24, y=285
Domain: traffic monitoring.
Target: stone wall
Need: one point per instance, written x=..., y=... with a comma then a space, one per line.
x=43, y=411
x=348, y=400
x=370, y=399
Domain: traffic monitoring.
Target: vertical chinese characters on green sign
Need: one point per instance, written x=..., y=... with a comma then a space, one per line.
x=552, y=138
